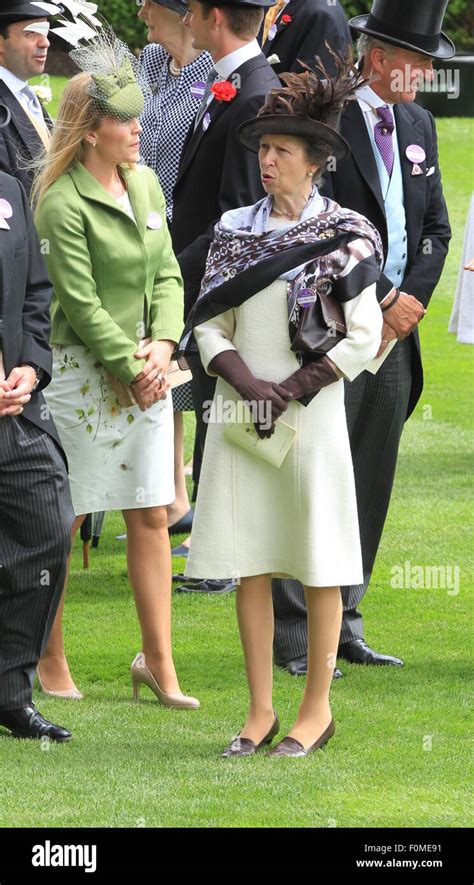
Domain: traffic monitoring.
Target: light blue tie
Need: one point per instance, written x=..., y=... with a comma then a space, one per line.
x=33, y=104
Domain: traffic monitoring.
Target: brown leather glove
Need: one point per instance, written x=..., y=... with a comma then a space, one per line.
x=307, y=381
x=231, y=367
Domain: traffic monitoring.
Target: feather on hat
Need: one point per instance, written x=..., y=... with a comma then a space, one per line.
x=308, y=106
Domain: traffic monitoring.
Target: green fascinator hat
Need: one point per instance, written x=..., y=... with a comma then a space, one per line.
x=118, y=86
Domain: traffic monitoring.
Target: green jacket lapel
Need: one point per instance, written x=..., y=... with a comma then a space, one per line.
x=90, y=189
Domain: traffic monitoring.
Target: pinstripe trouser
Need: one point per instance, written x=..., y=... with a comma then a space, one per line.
x=376, y=407
x=36, y=518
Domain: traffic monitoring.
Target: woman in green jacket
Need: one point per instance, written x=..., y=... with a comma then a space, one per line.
x=116, y=281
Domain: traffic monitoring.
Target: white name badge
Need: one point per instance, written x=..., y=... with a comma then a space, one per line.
x=155, y=221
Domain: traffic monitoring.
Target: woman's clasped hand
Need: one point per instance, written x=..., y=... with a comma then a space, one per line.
x=151, y=385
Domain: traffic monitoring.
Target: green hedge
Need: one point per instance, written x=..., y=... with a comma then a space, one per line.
x=122, y=14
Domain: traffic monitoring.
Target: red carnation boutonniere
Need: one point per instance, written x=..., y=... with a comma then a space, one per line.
x=286, y=19
x=224, y=91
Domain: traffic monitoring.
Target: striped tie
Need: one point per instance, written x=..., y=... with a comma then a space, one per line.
x=211, y=78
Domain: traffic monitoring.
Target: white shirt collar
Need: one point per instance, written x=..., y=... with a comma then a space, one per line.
x=229, y=63
x=368, y=99
x=13, y=82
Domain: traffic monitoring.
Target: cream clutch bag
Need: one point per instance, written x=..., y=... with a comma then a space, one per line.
x=273, y=449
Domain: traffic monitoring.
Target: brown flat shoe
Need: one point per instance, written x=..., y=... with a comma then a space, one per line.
x=291, y=747
x=246, y=747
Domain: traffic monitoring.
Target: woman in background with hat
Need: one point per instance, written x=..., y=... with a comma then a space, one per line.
x=116, y=281
x=176, y=74
x=267, y=264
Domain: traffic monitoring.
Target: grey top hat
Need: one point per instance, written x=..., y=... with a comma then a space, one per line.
x=19, y=10
x=411, y=24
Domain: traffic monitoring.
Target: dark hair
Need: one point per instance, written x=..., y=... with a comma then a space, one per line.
x=5, y=31
x=242, y=22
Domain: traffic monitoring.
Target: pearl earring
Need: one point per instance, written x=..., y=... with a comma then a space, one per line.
x=309, y=173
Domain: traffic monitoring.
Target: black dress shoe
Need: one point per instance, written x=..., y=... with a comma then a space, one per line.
x=358, y=652
x=206, y=585
x=246, y=747
x=28, y=723
x=184, y=525
x=299, y=666
x=289, y=746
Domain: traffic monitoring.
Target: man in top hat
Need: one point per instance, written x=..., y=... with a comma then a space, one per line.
x=216, y=173
x=393, y=178
x=296, y=31
x=36, y=513
x=24, y=124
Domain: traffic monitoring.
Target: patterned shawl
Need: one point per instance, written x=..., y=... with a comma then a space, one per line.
x=245, y=257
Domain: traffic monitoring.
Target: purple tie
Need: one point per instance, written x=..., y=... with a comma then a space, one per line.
x=383, y=136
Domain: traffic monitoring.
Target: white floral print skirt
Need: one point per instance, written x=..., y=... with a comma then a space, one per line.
x=119, y=458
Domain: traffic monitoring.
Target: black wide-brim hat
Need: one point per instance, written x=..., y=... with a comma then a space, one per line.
x=19, y=10
x=250, y=132
x=411, y=24
x=179, y=6
x=245, y=4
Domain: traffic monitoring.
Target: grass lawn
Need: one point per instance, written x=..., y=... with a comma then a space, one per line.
x=400, y=754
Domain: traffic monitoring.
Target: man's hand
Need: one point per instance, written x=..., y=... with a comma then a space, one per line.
x=404, y=316
x=15, y=391
x=387, y=336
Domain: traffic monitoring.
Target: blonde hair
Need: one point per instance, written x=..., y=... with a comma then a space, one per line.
x=77, y=115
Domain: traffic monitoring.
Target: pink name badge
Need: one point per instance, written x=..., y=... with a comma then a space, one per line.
x=154, y=221
x=6, y=211
x=197, y=90
x=415, y=153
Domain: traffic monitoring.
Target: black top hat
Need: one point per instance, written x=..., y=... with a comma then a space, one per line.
x=411, y=24
x=20, y=10
x=308, y=106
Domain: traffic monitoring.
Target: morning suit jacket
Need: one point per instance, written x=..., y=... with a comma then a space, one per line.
x=19, y=140
x=216, y=172
x=313, y=22
x=25, y=297
x=355, y=184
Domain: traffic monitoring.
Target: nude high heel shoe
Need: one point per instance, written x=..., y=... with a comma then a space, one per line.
x=72, y=694
x=142, y=675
